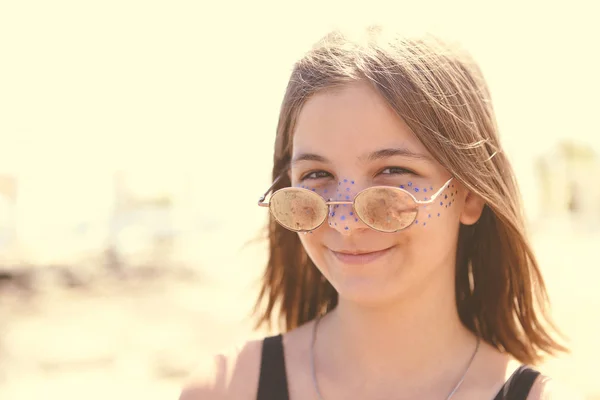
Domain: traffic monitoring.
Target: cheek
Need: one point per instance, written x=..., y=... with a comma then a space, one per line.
x=445, y=209
x=312, y=244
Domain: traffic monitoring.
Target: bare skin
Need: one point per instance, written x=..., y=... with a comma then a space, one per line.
x=235, y=376
x=395, y=333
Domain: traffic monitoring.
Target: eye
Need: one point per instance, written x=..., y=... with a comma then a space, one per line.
x=397, y=171
x=316, y=175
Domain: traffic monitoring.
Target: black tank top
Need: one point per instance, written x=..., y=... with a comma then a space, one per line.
x=272, y=384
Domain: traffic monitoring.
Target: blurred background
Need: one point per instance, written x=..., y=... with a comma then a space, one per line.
x=136, y=137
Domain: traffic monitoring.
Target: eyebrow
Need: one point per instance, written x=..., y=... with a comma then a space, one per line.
x=371, y=157
x=398, y=151
x=309, y=157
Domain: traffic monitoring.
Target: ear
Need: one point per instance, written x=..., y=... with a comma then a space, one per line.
x=472, y=209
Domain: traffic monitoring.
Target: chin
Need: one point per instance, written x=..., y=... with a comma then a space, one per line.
x=371, y=284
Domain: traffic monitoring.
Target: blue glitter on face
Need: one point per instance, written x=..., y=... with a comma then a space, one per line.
x=352, y=182
x=324, y=191
x=416, y=221
x=345, y=180
x=343, y=217
x=441, y=204
x=425, y=190
x=401, y=186
x=346, y=228
x=314, y=190
x=438, y=214
x=355, y=219
x=409, y=184
x=424, y=223
x=347, y=197
x=429, y=216
x=417, y=189
x=445, y=196
x=351, y=213
x=347, y=189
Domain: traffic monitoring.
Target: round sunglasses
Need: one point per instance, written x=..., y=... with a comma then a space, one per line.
x=382, y=208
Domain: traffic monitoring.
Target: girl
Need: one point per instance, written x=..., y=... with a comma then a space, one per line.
x=398, y=255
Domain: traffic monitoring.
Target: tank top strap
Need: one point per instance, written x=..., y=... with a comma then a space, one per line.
x=518, y=386
x=272, y=383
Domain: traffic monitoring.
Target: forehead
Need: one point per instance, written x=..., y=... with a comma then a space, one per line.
x=351, y=121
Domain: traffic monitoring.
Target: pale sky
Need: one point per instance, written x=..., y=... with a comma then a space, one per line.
x=88, y=87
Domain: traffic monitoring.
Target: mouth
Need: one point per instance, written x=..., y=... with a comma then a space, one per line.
x=359, y=257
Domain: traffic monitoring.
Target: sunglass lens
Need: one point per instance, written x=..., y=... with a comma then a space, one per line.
x=386, y=209
x=298, y=209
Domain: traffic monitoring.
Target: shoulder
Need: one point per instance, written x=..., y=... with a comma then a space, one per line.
x=545, y=388
x=229, y=375
x=234, y=374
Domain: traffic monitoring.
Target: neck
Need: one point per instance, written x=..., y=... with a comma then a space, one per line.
x=418, y=334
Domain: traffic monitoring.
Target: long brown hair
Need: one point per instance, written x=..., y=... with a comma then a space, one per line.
x=440, y=92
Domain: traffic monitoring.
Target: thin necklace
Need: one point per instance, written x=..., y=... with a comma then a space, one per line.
x=314, y=371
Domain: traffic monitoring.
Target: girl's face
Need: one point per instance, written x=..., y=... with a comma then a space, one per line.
x=346, y=141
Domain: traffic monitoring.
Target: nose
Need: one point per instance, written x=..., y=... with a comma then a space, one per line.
x=342, y=217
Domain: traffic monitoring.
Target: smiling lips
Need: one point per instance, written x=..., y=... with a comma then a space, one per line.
x=356, y=257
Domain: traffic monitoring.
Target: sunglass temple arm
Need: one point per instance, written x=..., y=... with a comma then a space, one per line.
x=261, y=201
